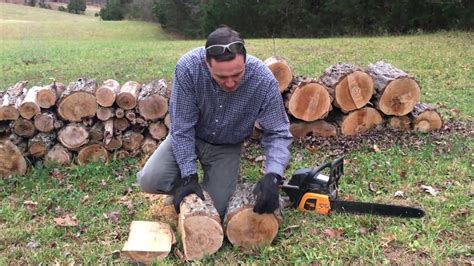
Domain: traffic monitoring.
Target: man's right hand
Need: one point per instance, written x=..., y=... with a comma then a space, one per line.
x=189, y=185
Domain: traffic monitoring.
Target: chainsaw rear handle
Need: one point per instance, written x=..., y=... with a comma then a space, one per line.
x=337, y=170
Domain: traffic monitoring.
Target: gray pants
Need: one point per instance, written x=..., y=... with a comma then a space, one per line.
x=220, y=163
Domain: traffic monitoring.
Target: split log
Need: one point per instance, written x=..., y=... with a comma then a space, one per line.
x=281, y=70
x=149, y=145
x=11, y=100
x=78, y=100
x=120, y=124
x=200, y=227
x=23, y=127
x=360, y=121
x=425, y=118
x=105, y=113
x=109, y=131
x=128, y=95
x=132, y=141
x=45, y=121
x=400, y=122
x=121, y=154
x=396, y=92
x=29, y=107
x=351, y=87
x=158, y=130
x=153, y=100
x=246, y=228
x=59, y=154
x=148, y=241
x=47, y=96
x=106, y=93
x=318, y=128
x=73, y=136
x=12, y=161
x=39, y=145
x=310, y=102
x=92, y=153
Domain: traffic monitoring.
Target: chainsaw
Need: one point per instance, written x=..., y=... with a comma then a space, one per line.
x=310, y=190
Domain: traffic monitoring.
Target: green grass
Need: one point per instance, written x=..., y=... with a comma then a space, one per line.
x=38, y=44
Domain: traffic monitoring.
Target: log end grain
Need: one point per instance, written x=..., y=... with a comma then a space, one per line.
x=9, y=113
x=427, y=121
x=400, y=122
x=73, y=136
x=59, y=154
x=153, y=107
x=310, y=102
x=77, y=105
x=318, y=128
x=281, y=70
x=92, y=153
x=354, y=91
x=12, y=161
x=360, y=121
x=400, y=97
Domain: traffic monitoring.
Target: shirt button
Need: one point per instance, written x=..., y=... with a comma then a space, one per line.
x=213, y=133
x=217, y=120
x=220, y=106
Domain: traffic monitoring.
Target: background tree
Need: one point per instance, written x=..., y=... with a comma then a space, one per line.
x=76, y=6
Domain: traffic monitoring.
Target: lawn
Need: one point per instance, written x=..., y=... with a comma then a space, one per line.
x=39, y=45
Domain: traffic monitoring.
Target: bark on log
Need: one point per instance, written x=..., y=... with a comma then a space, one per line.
x=73, y=136
x=29, y=107
x=92, y=153
x=78, y=100
x=45, y=121
x=400, y=122
x=158, y=130
x=128, y=95
x=106, y=93
x=318, y=128
x=148, y=241
x=39, y=145
x=425, y=118
x=360, y=121
x=132, y=141
x=153, y=100
x=23, y=127
x=105, y=113
x=96, y=132
x=244, y=227
x=149, y=145
x=352, y=88
x=11, y=100
x=59, y=154
x=108, y=131
x=12, y=161
x=5, y=128
x=200, y=227
x=310, y=102
x=396, y=92
x=281, y=70
x=46, y=96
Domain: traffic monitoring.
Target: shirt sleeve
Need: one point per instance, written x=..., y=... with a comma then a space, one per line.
x=184, y=114
x=276, y=134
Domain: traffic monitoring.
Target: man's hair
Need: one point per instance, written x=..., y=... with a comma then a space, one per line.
x=223, y=35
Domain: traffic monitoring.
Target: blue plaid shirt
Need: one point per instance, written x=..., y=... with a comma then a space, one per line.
x=200, y=108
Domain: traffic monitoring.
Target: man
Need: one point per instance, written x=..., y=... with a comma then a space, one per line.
x=218, y=93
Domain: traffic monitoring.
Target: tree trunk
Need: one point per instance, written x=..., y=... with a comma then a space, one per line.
x=44, y=122
x=78, y=101
x=244, y=227
x=23, y=127
x=200, y=227
x=105, y=94
x=105, y=113
x=132, y=141
x=352, y=87
x=73, y=136
x=281, y=70
x=12, y=161
x=92, y=153
x=128, y=95
x=59, y=154
x=46, y=96
x=39, y=145
x=148, y=241
x=310, y=102
x=11, y=100
x=425, y=118
x=29, y=107
x=396, y=92
x=158, y=130
x=318, y=128
x=360, y=121
x=153, y=100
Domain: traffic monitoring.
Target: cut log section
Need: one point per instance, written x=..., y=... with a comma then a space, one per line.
x=39, y=145
x=148, y=241
x=149, y=145
x=200, y=227
x=310, y=102
x=23, y=127
x=153, y=101
x=11, y=100
x=45, y=121
x=96, y=132
x=244, y=227
x=132, y=141
x=78, y=100
x=12, y=161
x=92, y=153
x=425, y=118
x=167, y=120
x=115, y=143
x=29, y=107
x=46, y=96
x=281, y=70
x=400, y=122
x=158, y=130
x=360, y=121
x=120, y=124
x=121, y=154
x=106, y=93
x=318, y=128
x=128, y=95
x=59, y=154
x=105, y=113
x=73, y=136
x=396, y=92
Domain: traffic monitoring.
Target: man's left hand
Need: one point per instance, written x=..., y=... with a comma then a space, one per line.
x=267, y=193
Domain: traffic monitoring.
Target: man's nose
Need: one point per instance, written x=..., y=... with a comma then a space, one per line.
x=230, y=83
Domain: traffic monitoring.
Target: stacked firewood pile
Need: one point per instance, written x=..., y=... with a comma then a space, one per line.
x=85, y=121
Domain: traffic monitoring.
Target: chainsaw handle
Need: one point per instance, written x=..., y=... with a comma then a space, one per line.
x=337, y=170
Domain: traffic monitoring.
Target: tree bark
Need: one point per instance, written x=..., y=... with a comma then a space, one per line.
x=73, y=136
x=29, y=107
x=153, y=100
x=96, y=132
x=78, y=100
x=128, y=95
x=281, y=70
x=105, y=95
x=11, y=100
x=92, y=153
x=12, y=161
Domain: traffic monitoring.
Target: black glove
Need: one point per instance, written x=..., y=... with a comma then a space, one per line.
x=188, y=186
x=267, y=193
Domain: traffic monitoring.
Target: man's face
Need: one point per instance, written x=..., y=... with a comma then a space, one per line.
x=228, y=74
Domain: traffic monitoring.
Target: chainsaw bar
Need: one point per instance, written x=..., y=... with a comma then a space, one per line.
x=341, y=206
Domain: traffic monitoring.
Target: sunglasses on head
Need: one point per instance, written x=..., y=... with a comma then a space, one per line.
x=218, y=49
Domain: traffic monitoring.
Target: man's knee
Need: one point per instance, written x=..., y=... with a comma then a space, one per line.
x=154, y=182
